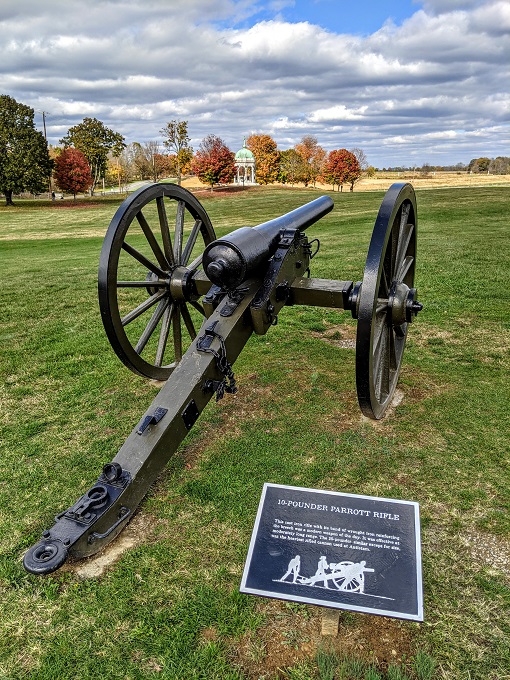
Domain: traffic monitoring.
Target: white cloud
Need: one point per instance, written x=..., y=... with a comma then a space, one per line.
x=435, y=86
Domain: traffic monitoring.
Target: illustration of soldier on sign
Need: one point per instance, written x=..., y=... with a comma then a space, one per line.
x=345, y=576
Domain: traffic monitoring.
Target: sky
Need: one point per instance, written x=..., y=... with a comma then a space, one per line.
x=408, y=81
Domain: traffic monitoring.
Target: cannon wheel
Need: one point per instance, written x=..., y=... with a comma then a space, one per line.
x=151, y=251
x=353, y=585
x=387, y=300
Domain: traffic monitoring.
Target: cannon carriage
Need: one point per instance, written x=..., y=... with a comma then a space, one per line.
x=179, y=305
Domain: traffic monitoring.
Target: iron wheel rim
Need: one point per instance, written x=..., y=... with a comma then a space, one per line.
x=391, y=261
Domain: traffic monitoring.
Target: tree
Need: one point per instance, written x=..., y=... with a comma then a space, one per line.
x=313, y=157
x=72, y=171
x=177, y=140
x=214, y=162
x=340, y=168
x=479, y=165
x=95, y=141
x=267, y=158
x=141, y=166
x=500, y=166
x=165, y=165
x=362, y=162
x=150, y=151
x=354, y=171
x=335, y=169
x=25, y=164
x=292, y=167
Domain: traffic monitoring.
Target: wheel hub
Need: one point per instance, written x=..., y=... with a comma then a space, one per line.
x=402, y=304
x=179, y=284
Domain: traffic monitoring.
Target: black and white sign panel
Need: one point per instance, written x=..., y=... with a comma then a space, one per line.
x=337, y=550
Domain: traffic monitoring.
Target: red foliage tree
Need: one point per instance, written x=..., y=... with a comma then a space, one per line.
x=214, y=162
x=340, y=168
x=72, y=171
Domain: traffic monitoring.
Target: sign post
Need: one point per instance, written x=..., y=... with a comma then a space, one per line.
x=337, y=550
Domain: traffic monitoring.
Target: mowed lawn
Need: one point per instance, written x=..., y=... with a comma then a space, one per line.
x=168, y=605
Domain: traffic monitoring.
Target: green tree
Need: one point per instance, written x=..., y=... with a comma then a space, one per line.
x=72, y=171
x=479, y=164
x=214, y=162
x=178, y=142
x=95, y=141
x=267, y=158
x=292, y=167
x=25, y=164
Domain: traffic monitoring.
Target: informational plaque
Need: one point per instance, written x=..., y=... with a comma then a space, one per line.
x=338, y=550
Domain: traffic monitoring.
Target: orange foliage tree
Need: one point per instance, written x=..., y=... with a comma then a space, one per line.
x=267, y=158
x=313, y=157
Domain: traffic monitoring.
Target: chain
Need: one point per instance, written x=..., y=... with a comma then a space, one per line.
x=228, y=384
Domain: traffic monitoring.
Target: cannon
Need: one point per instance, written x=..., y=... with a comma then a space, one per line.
x=179, y=305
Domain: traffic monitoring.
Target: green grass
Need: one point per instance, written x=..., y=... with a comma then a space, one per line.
x=170, y=607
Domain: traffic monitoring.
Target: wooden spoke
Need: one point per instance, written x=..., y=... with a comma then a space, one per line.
x=151, y=326
x=165, y=231
x=142, y=307
x=163, y=334
x=190, y=243
x=177, y=332
x=188, y=321
x=157, y=283
x=163, y=263
x=179, y=231
x=143, y=260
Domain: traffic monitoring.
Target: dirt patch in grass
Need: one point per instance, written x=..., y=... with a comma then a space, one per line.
x=138, y=531
x=491, y=551
x=291, y=634
x=341, y=335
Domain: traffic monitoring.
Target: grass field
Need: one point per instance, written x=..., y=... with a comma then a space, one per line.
x=168, y=606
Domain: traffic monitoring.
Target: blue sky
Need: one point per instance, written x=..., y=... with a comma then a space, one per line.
x=339, y=16
x=408, y=82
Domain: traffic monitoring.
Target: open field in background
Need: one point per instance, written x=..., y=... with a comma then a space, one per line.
x=383, y=180
x=168, y=605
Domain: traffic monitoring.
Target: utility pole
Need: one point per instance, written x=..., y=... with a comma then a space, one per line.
x=44, y=123
x=44, y=114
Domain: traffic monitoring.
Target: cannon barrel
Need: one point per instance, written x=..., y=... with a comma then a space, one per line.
x=230, y=260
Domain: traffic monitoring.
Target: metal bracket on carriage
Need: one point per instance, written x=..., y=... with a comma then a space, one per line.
x=78, y=521
x=152, y=419
x=290, y=260
x=234, y=298
x=212, y=299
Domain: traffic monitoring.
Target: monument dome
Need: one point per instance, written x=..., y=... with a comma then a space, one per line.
x=245, y=164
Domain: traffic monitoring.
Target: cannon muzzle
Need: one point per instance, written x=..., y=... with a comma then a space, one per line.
x=230, y=260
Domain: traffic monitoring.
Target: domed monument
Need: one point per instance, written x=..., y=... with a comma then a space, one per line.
x=245, y=164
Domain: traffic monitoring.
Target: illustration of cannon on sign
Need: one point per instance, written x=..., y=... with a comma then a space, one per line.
x=346, y=576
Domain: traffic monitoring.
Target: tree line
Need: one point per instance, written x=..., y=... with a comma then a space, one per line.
x=214, y=163
x=92, y=154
